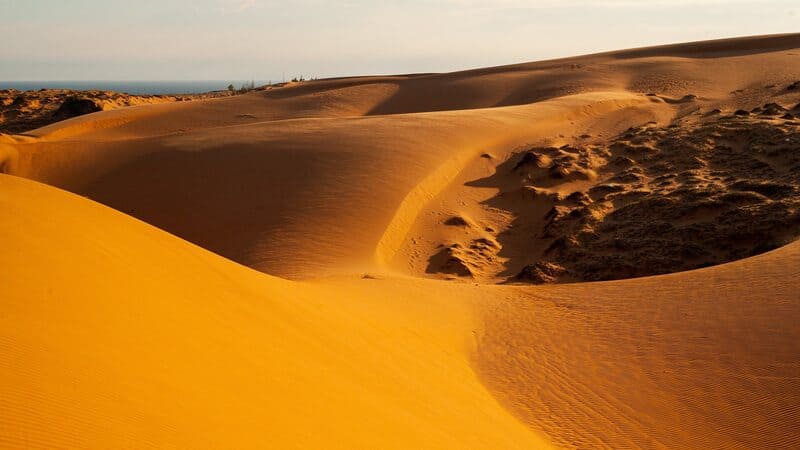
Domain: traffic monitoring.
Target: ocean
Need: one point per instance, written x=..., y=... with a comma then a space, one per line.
x=131, y=87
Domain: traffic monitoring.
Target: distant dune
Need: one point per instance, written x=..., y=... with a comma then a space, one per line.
x=591, y=252
x=22, y=111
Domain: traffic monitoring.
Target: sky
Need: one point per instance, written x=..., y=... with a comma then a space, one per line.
x=270, y=39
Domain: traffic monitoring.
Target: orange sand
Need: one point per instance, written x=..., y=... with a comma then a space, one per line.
x=118, y=334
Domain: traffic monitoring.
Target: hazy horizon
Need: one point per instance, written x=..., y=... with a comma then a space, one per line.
x=180, y=40
x=136, y=87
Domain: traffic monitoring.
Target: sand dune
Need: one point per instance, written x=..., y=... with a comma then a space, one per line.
x=700, y=359
x=402, y=208
x=22, y=111
x=172, y=346
x=653, y=200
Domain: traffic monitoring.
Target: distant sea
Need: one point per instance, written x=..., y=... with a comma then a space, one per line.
x=131, y=87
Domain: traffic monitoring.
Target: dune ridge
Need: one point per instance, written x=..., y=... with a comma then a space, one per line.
x=327, y=264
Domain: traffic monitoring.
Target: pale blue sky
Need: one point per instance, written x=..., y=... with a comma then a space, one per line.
x=262, y=39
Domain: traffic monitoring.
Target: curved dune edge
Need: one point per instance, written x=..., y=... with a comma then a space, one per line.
x=546, y=117
x=398, y=228
x=8, y=158
x=116, y=334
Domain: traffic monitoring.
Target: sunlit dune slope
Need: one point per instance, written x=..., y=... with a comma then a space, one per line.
x=701, y=359
x=118, y=335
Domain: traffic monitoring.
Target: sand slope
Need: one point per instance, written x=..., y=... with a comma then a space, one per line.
x=119, y=333
x=701, y=359
x=22, y=111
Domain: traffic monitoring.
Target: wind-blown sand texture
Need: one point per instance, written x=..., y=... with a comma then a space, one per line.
x=350, y=263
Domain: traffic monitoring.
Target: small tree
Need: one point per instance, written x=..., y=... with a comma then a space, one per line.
x=231, y=87
x=247, y=87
